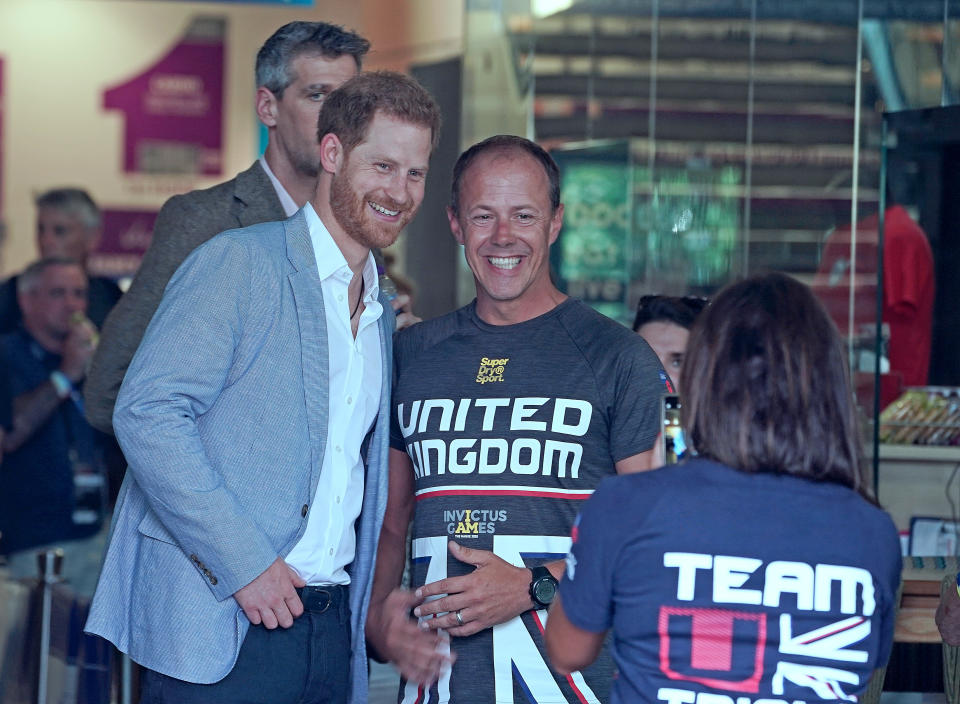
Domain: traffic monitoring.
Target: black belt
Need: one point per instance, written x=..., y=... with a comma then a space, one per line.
x=318, y=599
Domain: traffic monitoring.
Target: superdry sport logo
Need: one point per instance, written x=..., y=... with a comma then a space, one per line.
x=491, y=370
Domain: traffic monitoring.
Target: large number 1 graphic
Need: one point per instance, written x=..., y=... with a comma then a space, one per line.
x=513, y=648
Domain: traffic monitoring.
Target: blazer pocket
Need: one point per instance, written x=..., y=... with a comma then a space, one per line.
x=151, y=527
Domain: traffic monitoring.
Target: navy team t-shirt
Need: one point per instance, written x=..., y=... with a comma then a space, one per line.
x=751, y=586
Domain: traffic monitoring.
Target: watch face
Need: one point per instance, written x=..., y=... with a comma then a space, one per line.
x=544, y=590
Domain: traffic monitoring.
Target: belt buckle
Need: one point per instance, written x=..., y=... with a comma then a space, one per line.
x=328, y=602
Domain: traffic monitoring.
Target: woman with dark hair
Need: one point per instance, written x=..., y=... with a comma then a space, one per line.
x=759, y=569
x=664, y=323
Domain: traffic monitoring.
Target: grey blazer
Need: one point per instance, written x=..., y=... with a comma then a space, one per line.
x=222, y=417
x=183, y=224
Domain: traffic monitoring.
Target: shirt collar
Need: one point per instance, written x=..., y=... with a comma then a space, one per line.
x=330, y=260
x=286, y=201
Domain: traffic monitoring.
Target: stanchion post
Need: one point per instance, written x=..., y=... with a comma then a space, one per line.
x=126, y=679
x=50, y=563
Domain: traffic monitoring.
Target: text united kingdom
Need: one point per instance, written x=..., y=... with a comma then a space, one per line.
x=544, y=435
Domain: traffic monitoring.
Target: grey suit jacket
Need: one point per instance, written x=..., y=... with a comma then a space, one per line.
x=222, y=417
x=183, y=224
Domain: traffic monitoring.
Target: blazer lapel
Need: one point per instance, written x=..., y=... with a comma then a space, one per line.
x=255, y=199
x=314, y=352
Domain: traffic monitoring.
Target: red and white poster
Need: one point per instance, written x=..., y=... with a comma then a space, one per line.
x=173, y=111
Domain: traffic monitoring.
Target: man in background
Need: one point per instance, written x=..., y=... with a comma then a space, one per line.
x=295, y=70
x=53, y=488
x=665, y=322
x=69, y=225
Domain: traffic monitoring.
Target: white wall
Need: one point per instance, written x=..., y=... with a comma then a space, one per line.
x=59, y=56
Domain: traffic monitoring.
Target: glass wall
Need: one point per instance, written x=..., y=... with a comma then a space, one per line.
x=704, y=141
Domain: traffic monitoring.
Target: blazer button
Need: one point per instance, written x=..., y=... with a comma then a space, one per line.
x=194, y=559
x=303, y=511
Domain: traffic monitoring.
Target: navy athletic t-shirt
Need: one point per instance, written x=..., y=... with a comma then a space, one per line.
x=509, y=428
x=752, y=586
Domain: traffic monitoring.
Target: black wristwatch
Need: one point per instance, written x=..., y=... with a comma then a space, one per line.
x=543, y=587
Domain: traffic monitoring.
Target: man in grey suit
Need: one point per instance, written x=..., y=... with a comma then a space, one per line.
x=255, y=418
x=296, y=68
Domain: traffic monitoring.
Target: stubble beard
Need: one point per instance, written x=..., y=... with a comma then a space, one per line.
x=351, y=213
x=308, y=165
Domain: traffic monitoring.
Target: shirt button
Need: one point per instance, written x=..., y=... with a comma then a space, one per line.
x=338, y=449
x=331, y=551
x=338, y=499
x=349, y=399
x=339, y=298
x=303, y=511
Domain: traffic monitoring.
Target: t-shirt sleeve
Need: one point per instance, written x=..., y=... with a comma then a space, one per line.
x=640, y=383
x=407, y=344
x=396, y=437
x=587, y=584
x=890, y=585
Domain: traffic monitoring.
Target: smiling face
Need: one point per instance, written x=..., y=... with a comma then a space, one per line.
x=669, y=341
x=379, y=184
x=506, y=226
x=292, y=118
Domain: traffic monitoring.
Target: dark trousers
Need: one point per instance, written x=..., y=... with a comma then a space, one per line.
x=308, y=663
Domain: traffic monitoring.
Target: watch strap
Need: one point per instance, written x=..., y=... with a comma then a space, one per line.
x=540, y=572
x=61, y=382
x=537, y=574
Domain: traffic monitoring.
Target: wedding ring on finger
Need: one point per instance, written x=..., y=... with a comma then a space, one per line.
x=459, y=615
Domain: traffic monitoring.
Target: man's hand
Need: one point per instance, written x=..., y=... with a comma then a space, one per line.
x=420, y=654
x=271, y=598
x=494, y=592
x=405, y=316
x=78, y=348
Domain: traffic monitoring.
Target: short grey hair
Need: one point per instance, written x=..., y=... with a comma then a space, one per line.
x=75, y=201
x=28, y=279
x=294, y=39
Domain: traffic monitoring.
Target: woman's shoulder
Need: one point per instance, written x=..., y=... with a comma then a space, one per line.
x=629, y=488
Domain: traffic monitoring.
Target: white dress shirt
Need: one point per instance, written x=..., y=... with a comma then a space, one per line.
x=286, y=201
x=329, y=542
